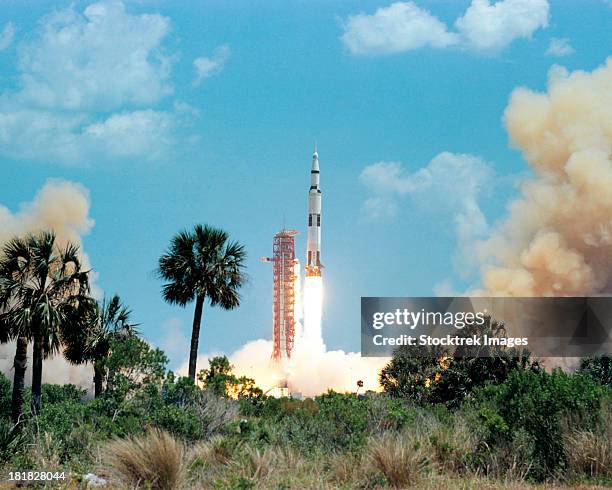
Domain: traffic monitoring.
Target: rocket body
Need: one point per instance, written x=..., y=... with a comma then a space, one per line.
x=313, y=246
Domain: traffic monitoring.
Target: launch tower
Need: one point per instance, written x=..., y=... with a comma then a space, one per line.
x=284, y=266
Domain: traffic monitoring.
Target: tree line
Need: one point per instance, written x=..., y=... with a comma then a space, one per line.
x=46, y=301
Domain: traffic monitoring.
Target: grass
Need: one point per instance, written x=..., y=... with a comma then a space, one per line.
x=589, y=452
x=155, y=460
x=401, y=458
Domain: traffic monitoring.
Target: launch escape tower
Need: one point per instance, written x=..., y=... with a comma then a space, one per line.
x=283, y=302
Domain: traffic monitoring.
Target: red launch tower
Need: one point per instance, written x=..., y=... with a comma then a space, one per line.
x=283, y=303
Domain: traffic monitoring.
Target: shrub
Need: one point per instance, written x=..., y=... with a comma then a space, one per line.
x=536, y=402
x=61, y=393
x=344, y=418
x=179, y=421
x=59, y=418
x=387, y=413
x=599, y=368
x=331, y=421
x=154, y=460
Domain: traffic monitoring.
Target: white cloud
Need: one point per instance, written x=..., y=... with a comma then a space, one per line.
x=450, y=185
x=132, y=133
x=89, y=83
x=379, y=207
x=78, y=138
x=208, y=66
x=493, y=26
x=560, y=47
x=6, y=35
x=452, y=175
x=102, y=59
x=403, y=26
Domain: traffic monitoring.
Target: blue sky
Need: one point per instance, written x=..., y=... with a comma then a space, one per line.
x=174, y=113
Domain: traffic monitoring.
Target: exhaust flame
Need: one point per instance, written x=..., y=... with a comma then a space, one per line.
x=313, y=307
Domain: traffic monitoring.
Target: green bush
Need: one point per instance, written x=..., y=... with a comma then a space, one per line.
x=61, y=393
x=536, y=403
x=59, y=418
x=179, y=421
x=599, y=368
x=332, y=421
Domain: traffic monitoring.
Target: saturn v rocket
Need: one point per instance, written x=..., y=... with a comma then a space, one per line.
x=313, y=246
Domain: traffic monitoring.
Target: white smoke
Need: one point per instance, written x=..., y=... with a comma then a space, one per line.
x=310, y=371
x=63, y=207
x=557, y=238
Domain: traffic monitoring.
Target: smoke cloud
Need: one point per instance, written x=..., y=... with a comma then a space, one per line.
x=63, y=207
x=311, y=371
x=557, y=238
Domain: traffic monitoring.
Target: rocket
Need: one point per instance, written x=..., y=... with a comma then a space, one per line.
x=313, y=245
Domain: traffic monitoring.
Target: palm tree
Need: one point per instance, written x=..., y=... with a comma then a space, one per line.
x=8, y=332
x=201, y=264
x=99, y=324
x=41, y=285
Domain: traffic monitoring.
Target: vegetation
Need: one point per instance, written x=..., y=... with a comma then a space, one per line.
x=41, y=285
x=101, y=325
x=449, y=420
x=202, y=264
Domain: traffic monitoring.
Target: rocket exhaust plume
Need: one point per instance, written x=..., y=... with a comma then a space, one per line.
x=312, y=337
x=557, y=238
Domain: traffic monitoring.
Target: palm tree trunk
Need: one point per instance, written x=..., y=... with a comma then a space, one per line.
x=98, y=379
x=37, y=364
x=195, y=336
x=20, y=363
